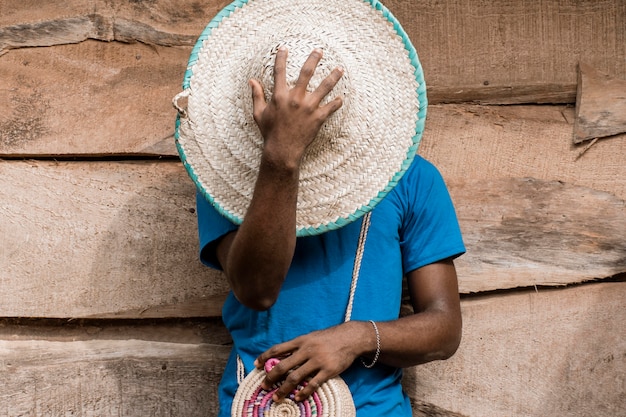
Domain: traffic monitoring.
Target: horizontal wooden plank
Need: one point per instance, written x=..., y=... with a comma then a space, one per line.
x=81, y=28
x=100, y=239
x=119, y=240
x=47, y=23
x=180, y=330
x=546, y=353
x=528, y=48
x=499, y=52
x=524, y=232
x=109, y=377
x=110, y=114
x=529, y=92
x=472, y=142
x=92, y=98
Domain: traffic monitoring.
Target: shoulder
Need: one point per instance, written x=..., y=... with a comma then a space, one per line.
x=421, y=170
x=421, y=179
x=419, y=187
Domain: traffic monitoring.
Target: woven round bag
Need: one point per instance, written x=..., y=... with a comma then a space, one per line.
x=362, y=150
x=331, y=399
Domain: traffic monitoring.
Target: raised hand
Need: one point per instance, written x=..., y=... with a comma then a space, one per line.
x=291, y=119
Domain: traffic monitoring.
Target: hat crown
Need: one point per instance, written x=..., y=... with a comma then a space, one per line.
x=298, y=50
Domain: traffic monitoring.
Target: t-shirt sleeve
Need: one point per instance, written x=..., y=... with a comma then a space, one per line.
x=430, y=230
x=212, y=226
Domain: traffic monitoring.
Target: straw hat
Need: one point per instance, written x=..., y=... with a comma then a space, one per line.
x=362, y=150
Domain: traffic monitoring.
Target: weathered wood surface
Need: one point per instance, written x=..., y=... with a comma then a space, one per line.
x=105, y=368
x=514, y=228
x=600, y=105
x=551, y=352
x=109, y=378
x=92, y=98
x=491, y=142
x=118, y=240
x=99, y=238
x=105, y=239
x=502, y=51
x=546, y=353
x=32, y=23
x=510, y=52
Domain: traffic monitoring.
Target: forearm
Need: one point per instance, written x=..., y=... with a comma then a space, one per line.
x=257, y=257
x=262, y=249
x=324, y=354
x=415, y=339
x=434, y=331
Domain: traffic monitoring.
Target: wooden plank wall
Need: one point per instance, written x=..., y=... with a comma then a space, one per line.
x=105, y=309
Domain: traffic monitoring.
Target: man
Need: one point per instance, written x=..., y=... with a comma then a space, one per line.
x=289, y=293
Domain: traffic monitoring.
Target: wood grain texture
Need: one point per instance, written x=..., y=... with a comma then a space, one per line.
x=525, y=232
x=492, y=142
x=31, y=23
x=111, y=115
x=600, y=105
x=89, y=99
x=552, y=352
x=109, y=377
x=100, y=239
x=119, y=240
x=510, y=46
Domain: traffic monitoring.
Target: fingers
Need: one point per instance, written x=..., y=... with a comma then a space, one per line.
x=291, y=383
x=327, y=85
x=292, y=117
x=307, y=70
x=331, y=107
x=279, y=351
x=280, y=70
x=292, y=373
x=258, y=100
x=309, y=388
x=306, y=73
x=296, y=381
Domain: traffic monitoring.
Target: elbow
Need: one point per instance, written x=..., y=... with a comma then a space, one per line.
x=446, y=340
x=445, y=351
x=451, y=346
x=451, y=342
x=254, y=292
x=256, y=303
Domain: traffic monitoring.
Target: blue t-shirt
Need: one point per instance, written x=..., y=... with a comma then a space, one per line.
x=413, y=226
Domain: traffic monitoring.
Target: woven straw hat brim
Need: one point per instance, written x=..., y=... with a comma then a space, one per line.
x=332, y=399
x=363, y=149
